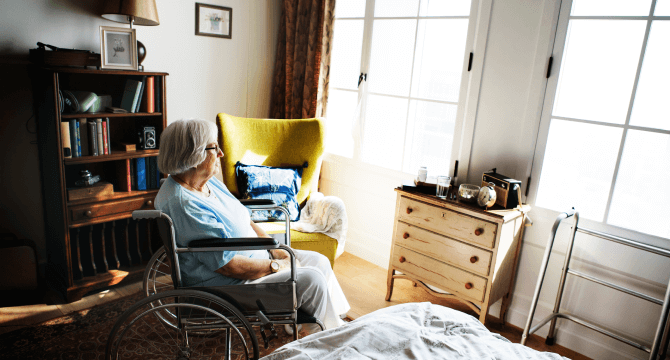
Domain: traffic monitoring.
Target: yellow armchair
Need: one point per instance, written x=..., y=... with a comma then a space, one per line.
x=277, y=143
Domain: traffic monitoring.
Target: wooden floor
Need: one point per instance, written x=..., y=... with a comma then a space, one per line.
x=364, y=284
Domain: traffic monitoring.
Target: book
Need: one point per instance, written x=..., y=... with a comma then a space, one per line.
x=133, y=178
x=115, y=110
x=98, y=129
x=93, y=138
x=158, y=174
x=109, y=136
x=65, y=139
x=151, y=173
x=105, y=145
x=83, y=130
x=73, y=137
x=78, y=132
x=139, y=99
x=140, y=173
x=149, y=94
x=130, y=95
x=123, y=175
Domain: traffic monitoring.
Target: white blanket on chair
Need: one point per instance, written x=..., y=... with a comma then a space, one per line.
x=326, y=215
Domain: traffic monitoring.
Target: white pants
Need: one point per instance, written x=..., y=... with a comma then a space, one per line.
x=319, y=294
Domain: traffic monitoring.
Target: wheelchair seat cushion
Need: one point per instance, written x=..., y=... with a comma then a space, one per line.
x=265, y=182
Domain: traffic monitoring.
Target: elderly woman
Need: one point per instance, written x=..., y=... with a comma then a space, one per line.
x=201, y=207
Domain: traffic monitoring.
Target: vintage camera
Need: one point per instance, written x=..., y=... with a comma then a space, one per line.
x=146, y=138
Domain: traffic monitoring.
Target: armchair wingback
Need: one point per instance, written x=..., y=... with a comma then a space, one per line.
x=272, y=142
x=277, y=143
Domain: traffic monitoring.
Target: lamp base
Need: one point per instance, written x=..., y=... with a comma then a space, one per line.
x=141, y=54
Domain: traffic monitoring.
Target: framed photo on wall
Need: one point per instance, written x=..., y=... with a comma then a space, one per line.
x=118, y=48
x=212, y=20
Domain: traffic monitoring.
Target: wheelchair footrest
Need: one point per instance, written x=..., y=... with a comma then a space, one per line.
x=303, y=318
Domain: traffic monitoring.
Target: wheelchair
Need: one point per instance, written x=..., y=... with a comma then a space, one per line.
x=180, y=322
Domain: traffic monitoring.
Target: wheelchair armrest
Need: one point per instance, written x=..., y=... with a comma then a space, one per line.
x=250, y=243
x=247, y=202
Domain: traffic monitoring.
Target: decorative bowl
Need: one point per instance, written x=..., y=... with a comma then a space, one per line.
x=468, y=193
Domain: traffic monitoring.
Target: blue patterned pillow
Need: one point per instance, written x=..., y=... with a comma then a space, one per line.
x=265, y=182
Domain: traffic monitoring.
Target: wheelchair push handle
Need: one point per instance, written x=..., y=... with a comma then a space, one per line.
x=146, y=214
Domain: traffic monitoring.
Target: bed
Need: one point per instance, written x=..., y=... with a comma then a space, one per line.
x=408, y=331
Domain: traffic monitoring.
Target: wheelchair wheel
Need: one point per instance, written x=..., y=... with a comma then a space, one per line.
x=157, y=276
x=204, y=327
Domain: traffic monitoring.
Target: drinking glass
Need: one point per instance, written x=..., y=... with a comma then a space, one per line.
x=442, y=189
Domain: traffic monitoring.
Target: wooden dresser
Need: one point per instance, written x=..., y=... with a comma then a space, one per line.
x=470, y=253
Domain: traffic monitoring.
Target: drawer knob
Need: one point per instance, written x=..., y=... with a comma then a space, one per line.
x=479, y=231
x=150, y=203
x=468, y=286
x=402, y=259
x=409, y=210
x=474, y=259
x=89, y=213
x=405, y=235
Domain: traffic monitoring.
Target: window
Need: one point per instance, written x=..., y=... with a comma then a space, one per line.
x=414, y=55
x=604, y=146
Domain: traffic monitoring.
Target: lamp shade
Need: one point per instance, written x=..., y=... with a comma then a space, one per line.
x=144, y=12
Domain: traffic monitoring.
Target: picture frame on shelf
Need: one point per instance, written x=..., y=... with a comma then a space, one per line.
x=213, y=20
x=118, y=48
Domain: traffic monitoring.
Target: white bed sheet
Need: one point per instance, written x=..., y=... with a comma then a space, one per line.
x=408, y=331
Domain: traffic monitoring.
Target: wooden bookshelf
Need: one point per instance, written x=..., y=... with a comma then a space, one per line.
x=93, y=243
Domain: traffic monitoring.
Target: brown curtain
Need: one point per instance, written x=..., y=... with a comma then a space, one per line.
x=302, y=67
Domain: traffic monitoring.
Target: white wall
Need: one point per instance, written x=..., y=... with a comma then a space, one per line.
x=507, y=120
x=207, y=75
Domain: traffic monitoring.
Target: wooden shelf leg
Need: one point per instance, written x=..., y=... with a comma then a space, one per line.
x=81, y=269
x=90, y=245
x=137, y=241
x=130, y=260
x=104, y=251
x=116, y=256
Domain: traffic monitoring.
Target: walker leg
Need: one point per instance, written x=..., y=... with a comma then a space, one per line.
x=561, y=284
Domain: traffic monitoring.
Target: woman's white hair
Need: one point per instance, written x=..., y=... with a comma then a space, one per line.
x=183, y=144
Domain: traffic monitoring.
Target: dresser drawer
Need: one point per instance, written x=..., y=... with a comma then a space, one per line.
x=443, y=248
x=447, y=222
x=90, y=211
x=445, y=277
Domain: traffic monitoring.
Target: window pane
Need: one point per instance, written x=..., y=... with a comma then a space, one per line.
x=384, y=131
x=438, y=63
x=578, y=167
x=391, y=57
x=662, y=8
x=445, y=8
x=640, y=201
x=430, y=134
x=349, y=8
x=345, y=64
x=610, y=7
x=396, y=8
x=652, y=105
x=341, y=112
x=598, y=70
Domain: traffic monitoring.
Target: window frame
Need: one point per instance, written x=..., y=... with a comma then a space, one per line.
x=556, y=31
x=477, y=34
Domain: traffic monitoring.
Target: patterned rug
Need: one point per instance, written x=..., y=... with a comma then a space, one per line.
x=83, y=335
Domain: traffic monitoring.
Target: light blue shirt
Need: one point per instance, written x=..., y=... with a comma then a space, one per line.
x=196, y=217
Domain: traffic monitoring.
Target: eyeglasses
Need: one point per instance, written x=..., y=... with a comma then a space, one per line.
x=215, y=147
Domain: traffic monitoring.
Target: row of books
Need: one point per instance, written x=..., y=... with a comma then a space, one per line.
x=85, y=137
x=138, y=174
x=133, y=95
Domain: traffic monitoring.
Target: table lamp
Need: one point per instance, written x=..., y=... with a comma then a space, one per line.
x=138, y=12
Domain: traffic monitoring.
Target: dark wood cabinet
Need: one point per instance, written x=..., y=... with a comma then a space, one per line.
x=93, y=243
